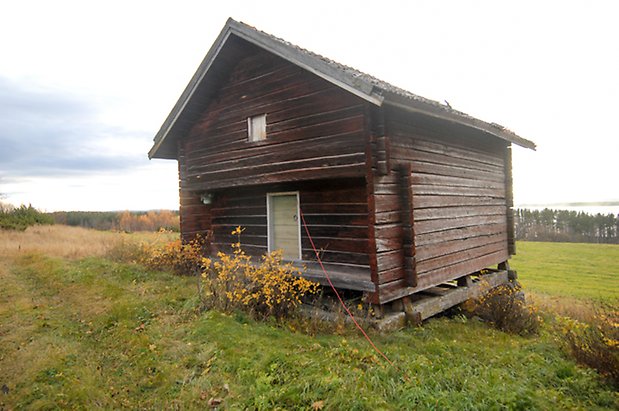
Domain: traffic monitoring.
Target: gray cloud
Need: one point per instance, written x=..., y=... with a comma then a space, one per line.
x=45, y=133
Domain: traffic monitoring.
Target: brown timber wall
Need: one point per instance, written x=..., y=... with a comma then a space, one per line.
x=456, y=223
x=195, y=217
x=336, y=215
x=314, y=129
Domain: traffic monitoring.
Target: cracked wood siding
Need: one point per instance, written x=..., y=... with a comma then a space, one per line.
x=459, y=204
x=336, y=213
x=314, y=129
x=195, y=217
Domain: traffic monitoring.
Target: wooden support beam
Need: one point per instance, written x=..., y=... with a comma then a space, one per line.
x=408, y=224
x=412, y=317
x=465, y=281
x=512, y=275
x=370, y=158
x=509, y=199
x=378, y=132
x=430, y=306
x=383, y=164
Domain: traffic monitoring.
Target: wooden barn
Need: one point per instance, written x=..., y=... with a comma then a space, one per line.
x=400, y=193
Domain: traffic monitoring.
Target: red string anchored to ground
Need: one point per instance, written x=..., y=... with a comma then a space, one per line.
x=352, y=317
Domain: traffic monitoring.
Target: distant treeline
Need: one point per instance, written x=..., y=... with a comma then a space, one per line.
x=124, y=221
x=566, y=226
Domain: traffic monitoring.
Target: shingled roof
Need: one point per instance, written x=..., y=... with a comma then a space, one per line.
x=365, y=86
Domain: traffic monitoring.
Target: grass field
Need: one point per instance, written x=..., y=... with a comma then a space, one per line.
x=85, y=332
x=584, y=271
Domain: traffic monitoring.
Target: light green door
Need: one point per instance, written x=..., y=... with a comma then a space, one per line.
x=284, y=225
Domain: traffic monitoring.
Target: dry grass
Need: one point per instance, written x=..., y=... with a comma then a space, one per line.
x=578, y=309
x=57, y=241
x=68, y=242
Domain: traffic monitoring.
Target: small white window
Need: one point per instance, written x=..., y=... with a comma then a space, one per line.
x=257, y=127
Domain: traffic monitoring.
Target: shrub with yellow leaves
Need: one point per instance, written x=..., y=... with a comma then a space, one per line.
x=271, y=288
x=505, y=308
x=176, y=256
x=595, y=343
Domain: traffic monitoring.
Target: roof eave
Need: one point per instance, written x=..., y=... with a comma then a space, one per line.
x=444, y=114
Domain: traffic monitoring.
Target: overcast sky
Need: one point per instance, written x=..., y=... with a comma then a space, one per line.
x=84, y=86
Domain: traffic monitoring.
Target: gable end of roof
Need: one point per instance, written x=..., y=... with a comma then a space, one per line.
x=367, y=87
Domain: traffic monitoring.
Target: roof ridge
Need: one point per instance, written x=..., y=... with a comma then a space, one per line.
x=383, y=85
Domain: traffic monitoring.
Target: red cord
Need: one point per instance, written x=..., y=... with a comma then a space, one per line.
x=352, y=317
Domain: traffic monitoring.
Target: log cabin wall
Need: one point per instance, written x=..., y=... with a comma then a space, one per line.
x=314, y=129
x=452, y=190
x=195, y=217
x=336, y=213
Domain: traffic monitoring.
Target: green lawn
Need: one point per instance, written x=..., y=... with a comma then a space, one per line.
x=582, y=271
x=91, y=333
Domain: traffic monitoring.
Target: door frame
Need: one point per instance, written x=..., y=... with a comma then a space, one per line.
x=269, y=222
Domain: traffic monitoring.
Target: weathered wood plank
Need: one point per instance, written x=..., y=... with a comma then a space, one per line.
x=428, y=226
x=303, y=174
x=451, y=272
x=386, y=202
x=389, y=243
x=244, y=221
x=253, y=211
x=458, y=256
x=383, y=149
x=345, y=191
x=423, y=189
x=457, y=212
x=408, y=224
x=218, y=113
x=332, y=256
x=406, y=153
x=391, y=275
x=245, y=170
x=261, y=97
x=338, y=208
x=446, y=247
x=389, y=260
x=431, y=179
x=387, y=217
x=342, y=276
x=336, y=219
x=460, y=233
x=427, y=140
x=459, y=152
x=428, y=201
x=355, y=245
x=449, y=170
x=266, y=151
